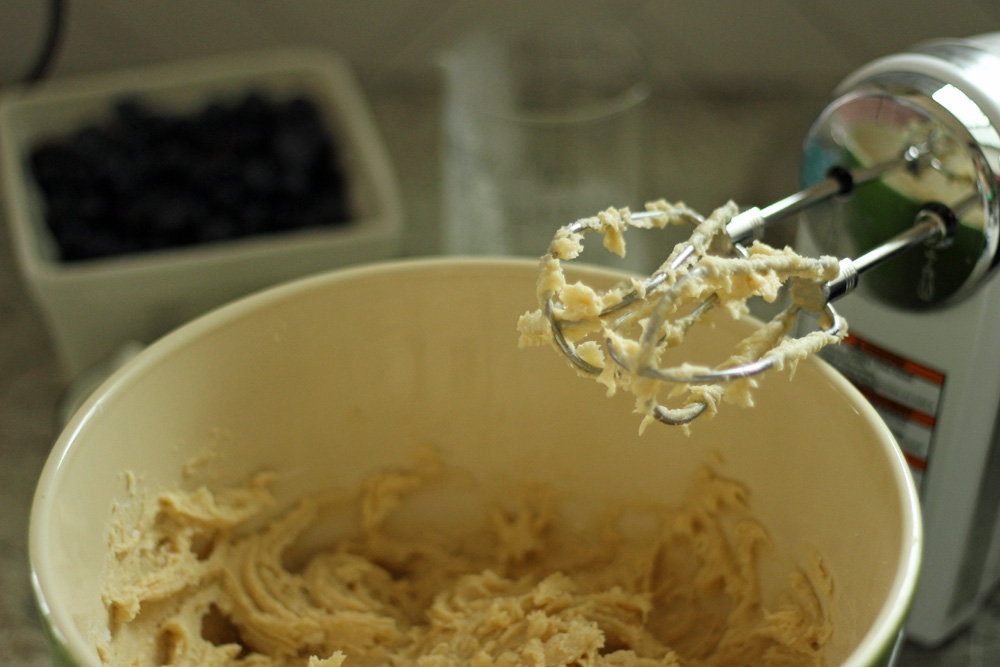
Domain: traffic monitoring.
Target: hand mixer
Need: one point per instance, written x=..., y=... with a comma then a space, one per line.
x=925, y=315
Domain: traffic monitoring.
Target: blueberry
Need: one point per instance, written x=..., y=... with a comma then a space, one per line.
x=295, y=148
x=253, y=218
x=148, y=179
x=217, y=228
x=261, y=176
x=295, y=183
x=79, y=242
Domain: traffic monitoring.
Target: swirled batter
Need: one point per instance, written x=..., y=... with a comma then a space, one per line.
x=194, y=579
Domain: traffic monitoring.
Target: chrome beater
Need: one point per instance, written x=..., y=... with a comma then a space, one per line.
x=653, y=306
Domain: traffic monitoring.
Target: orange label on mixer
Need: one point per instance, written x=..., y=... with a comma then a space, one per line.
x=906, y=394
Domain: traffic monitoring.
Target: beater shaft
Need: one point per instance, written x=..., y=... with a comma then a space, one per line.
x=934, y=225
x=839, y=181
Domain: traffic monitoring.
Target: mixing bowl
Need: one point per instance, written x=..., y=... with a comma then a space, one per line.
x=327, y=378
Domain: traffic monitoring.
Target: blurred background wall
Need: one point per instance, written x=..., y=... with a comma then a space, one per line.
x=727, y=47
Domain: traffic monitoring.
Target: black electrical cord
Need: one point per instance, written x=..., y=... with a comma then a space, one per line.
x=53, y=36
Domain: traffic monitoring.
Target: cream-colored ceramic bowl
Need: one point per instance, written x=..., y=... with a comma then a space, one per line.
x=328, y=378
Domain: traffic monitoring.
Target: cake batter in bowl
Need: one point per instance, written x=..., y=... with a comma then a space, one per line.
x=384, y=417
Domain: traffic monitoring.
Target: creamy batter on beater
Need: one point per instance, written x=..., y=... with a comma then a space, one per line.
x=190, y=582
x=729, y=281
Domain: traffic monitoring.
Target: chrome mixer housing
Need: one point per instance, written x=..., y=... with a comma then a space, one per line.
x=944, y=92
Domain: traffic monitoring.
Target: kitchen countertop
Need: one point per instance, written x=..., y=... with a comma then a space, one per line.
x=759, y=140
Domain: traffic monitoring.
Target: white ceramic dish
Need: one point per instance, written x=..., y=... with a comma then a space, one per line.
x=327, y=378
x=93, y=307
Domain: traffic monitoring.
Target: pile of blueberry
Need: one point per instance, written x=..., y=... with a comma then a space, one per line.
x=147, y=180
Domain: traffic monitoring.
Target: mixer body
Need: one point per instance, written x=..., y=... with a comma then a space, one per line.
x=924, y=326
